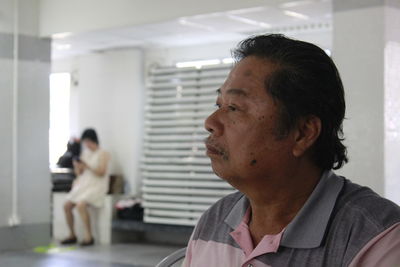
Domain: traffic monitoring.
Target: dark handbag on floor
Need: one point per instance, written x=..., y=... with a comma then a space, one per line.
x=130, y=210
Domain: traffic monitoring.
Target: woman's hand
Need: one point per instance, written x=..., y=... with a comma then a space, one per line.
x=77, y=164
x=84, y=165
x=79, y=167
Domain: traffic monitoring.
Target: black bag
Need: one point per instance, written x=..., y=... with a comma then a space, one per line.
x=73, y=150
x=130, y=210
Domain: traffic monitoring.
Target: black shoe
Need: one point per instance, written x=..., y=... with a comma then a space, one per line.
x=87, y=243
x=69, y=241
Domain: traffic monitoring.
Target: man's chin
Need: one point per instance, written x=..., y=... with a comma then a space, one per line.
x=220, y=168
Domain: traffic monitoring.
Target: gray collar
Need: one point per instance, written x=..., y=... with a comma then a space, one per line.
x=308, y=228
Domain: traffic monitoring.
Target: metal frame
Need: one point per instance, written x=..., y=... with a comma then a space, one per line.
x=173, y=258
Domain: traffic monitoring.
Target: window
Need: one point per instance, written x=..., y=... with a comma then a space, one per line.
x=178, y=182
x=59, y=115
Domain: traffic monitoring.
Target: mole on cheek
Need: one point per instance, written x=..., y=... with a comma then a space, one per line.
x=253, y=162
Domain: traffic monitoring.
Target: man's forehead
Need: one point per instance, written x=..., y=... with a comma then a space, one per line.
x=234, y=91
x=244, y=69
x=242, y=82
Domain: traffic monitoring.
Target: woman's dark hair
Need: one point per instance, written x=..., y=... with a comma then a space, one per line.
x=90, y=134
x=305, y=82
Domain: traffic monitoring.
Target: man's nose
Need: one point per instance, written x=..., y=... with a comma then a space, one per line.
x=213, y=125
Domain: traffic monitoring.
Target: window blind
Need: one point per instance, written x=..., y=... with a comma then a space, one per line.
x=178, y=181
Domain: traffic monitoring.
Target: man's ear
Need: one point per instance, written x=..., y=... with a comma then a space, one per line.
x=307, y=132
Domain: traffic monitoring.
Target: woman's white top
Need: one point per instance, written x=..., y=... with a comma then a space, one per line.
x=88, y=186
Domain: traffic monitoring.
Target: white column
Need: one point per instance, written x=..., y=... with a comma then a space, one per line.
x=24, y=116
x=392, y=102
x=366, y=52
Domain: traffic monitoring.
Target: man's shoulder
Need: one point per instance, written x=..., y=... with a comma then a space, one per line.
x=362, y=204
x=359, y=216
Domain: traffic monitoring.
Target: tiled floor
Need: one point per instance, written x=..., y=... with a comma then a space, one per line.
x=117, y=255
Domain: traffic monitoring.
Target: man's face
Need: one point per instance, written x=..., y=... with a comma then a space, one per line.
x=243, y=143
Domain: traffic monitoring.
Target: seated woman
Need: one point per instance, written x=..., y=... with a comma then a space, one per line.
x=90, y=186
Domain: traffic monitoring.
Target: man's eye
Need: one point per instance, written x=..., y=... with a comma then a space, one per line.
x=217, y=105
x=232, y=108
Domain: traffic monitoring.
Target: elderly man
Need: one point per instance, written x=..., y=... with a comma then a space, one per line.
x=276, y=136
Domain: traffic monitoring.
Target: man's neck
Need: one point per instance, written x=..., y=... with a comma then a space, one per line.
x=274, y=206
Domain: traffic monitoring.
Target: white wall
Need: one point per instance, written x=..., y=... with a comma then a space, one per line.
x=360, y=62
x=109, y=96
x=367, y=51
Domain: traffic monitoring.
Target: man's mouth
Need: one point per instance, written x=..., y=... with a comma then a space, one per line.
x=213, y=150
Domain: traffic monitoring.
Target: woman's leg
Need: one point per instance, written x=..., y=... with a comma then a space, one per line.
x=68, y=207
x=83, y=211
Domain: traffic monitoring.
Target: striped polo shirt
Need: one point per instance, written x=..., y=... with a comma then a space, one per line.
x=341, y=224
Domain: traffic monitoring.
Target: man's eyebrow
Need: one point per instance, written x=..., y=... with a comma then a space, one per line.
x=234, y=91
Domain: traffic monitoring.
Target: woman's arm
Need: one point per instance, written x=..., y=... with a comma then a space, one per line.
x=78, y=167
x=101, y=170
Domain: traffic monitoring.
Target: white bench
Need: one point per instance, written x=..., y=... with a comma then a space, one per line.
x=100, y=218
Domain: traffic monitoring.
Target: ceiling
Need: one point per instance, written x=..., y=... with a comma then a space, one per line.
x=232, y=25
